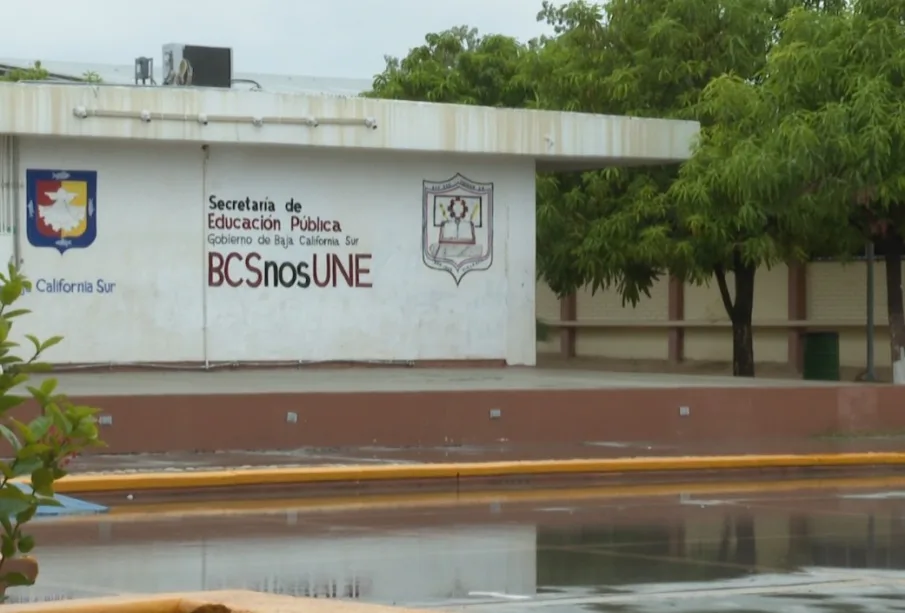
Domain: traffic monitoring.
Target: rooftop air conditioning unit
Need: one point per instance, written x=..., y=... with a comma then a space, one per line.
x=193, y=65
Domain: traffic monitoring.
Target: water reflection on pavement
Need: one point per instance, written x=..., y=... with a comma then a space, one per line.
x=826, y=549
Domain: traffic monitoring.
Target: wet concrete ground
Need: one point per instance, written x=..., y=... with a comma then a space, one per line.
x=500, y=452
x=746, y=547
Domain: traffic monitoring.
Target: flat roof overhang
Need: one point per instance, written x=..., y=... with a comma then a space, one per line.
x=558, y=141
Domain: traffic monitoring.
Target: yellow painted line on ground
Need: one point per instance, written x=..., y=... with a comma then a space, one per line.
x=136, y=482
x=229, y=600
x=130, y=513
x=115, y=604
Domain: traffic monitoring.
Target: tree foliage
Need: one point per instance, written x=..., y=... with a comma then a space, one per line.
x=627, y=227
x=40, y=449
x=836, y=139
x=457, y=66
x=37, y=72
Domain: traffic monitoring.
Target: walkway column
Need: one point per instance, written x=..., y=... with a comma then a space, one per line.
x=797, y=311
x=676, y=312
x=568, y=311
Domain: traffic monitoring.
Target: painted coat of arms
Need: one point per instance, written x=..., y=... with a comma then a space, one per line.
x=457, y=226
x=61, y=208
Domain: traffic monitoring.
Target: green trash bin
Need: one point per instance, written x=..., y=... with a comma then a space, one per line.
x=821, y=356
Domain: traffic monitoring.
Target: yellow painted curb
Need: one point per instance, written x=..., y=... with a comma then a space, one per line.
x=132, y=482
x=233, y=600
x=241, y=508
x=116, y=604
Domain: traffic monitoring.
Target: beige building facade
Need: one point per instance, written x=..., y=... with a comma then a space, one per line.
x=688, y=324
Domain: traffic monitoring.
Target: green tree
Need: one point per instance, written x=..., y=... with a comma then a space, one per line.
x=626, y=227
x=457, y=66
x=734, y=216
x=837, y=79
x=40, y=449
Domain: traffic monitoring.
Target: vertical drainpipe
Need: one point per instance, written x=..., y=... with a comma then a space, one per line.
x=18, y=200
x=206, y=154
x=7, y=179
x=10, y=193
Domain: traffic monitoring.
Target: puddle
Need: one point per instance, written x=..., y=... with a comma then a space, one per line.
x=803, y=554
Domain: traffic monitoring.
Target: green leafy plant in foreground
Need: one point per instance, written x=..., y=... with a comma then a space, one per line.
x=39, y=450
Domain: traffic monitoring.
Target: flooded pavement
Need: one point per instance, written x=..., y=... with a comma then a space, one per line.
x=791, y=546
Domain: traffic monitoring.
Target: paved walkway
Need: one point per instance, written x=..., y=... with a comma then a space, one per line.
x=390, y=379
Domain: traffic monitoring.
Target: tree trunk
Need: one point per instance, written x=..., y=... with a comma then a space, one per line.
x=742, y=328
x=740, y=312
x=893, y=247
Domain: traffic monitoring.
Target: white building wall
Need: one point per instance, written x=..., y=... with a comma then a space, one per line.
x=150, y=264
x=148, y=245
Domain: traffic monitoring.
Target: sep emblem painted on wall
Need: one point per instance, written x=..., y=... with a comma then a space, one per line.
x=457, y=226
x=61, y=208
